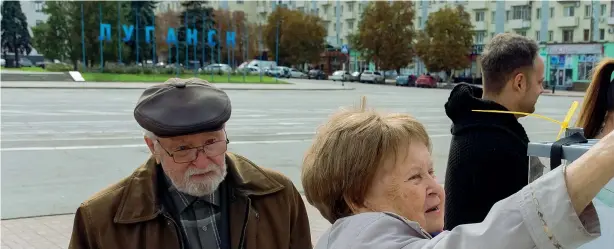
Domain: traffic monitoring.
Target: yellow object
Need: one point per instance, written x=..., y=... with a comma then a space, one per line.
x=564, y=124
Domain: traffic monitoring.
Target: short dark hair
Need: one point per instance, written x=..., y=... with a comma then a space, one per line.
x=505, y=54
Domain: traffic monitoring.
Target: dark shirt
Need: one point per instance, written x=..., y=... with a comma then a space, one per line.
x=488, y=159
x=199, y=218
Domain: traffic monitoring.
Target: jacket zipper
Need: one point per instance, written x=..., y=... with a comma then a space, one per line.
x=177, y=232
x=244, y=229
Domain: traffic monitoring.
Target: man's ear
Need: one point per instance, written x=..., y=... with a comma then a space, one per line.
x=519, y=82
x=151, y=144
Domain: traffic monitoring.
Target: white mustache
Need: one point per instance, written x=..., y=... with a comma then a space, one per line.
x=196, y=171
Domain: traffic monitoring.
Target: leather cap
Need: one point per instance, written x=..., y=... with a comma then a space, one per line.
x=182, y=107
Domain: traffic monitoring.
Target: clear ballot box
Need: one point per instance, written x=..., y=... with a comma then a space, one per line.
x=539, y=163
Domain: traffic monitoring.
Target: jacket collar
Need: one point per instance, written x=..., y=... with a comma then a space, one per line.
x=139, y=200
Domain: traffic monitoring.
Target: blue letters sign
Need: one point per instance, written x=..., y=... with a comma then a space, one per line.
x=210, y=40
x=230, y=38
x=105, y=32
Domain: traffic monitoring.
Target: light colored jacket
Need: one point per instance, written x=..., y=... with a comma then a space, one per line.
x=539, y=216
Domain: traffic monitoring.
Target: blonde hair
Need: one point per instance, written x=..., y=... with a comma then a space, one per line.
x=346, y=154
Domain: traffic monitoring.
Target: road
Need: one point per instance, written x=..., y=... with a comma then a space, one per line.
x=61, y=146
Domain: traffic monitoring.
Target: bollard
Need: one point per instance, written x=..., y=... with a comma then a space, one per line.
x=604, y=202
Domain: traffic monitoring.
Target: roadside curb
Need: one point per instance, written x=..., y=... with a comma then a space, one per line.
x=569, y=95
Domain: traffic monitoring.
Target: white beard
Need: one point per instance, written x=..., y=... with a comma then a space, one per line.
x=205, y=186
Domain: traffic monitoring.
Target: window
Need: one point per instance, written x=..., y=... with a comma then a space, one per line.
x=587, y=10
x=492, y=34
x=522, y=32
x=586, y=63
x=351, y=7
x=601, y=34
x=569, y=11
x=537, y=36
x=492, y=16
x=507, y=15
x=38, y=6
x=538, y=13
x=550, y=35
x=240, y=1
x=603, y=6
x=587, y=34
x=479, y=16
x=479, y=37
x=351, y=25
x=568, y=35
x=419, y=20
x=521, y=12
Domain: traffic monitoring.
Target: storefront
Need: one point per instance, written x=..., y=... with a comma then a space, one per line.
x=569, y=66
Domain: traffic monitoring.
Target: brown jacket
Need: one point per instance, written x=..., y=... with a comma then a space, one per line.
x=128, y=214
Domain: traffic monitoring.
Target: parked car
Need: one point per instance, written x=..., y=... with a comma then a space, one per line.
x=279, y=72
x=295, y=73
x=405, y=80
x=317, y=74
x=426, y=81
x=340, y=76
x=372, y=77
x=218, y=68
x=355, y=77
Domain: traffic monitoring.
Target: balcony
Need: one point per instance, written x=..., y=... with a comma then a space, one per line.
x=567, y=21
x=261, y=9
x=479, y=26
x=518, y=24
x=478, y=5
x=509, y=4
x=611, y=20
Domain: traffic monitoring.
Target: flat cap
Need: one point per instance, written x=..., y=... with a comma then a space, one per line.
x=182, y=107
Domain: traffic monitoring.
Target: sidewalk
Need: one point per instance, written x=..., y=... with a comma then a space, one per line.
x=53, y=232
x=563, y=93
x=136, y=85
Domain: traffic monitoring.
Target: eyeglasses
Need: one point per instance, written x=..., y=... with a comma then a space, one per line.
x=191, y=154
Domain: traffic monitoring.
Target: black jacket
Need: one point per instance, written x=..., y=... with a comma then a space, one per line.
x=488, y=157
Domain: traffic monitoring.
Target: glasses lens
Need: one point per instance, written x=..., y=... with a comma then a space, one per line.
x=184, y=156
x=216, y=148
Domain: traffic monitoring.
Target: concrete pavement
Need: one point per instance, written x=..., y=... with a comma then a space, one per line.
x=59, y=146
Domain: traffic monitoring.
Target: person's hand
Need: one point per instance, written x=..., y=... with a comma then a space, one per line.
x=606, y=147
x=587, y=175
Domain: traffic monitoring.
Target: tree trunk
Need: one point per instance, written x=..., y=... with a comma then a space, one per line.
x=16, y=51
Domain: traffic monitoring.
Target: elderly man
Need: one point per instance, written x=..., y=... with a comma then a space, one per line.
x=192, y=193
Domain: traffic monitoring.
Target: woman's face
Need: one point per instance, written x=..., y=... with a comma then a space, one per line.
x=409, y=188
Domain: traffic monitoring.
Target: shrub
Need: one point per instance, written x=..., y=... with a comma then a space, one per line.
x=58, y=67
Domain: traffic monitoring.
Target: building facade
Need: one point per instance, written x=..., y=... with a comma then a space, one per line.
x=33, y=10
x=578, y=33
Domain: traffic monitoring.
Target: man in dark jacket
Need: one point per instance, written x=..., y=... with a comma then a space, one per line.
x=488, y=153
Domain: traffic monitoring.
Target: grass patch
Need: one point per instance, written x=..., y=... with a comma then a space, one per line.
x=27, y=69
x=109, y=77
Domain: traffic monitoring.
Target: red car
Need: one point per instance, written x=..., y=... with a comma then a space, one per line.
x=426, y=81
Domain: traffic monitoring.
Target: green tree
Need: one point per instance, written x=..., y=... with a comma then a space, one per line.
x=197, y=15
x=301, y=36
x=385, y=34
x=143, y=13
x=55, y=38
x=446, y=41
x=15, y=34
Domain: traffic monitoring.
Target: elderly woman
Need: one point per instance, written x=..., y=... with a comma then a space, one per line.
x=371, y=175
